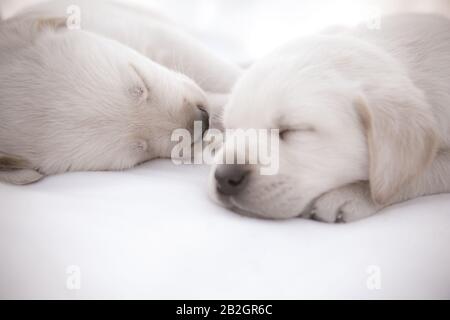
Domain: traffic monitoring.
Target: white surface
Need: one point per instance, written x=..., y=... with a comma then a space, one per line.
x=245, y=30
x=151, y=232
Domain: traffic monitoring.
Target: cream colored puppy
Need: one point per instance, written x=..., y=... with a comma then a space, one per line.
x=103, y=97
x=364, y=119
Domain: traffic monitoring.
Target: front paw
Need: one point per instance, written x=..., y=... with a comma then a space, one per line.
x=345, y=204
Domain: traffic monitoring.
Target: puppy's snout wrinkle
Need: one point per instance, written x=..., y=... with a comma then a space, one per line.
x=231, y=178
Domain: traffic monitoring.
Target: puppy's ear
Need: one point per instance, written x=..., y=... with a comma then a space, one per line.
x=17, y=171
x=401, y=136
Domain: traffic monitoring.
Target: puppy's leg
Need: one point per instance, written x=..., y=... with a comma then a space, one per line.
x=348, y=203
x=16, y=171
x=353, y=202
x=180, y=52
x=20, y=177
x=435, y=180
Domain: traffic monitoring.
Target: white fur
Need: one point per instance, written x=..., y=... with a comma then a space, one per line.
x=378, y=103
x=91, y=99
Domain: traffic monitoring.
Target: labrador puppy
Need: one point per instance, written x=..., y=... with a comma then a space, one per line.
x=363, y=118
x=105, y=95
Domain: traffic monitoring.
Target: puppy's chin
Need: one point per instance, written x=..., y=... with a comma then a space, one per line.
x=233, y=204
x=224, y=200
x=248, y=208
x=230, y=203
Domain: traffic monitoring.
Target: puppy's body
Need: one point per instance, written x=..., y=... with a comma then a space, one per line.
x=151, y=34
x=421, y=44
x=354, y=105
x=81, y=100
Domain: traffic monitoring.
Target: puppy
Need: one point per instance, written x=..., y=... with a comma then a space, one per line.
x=103, y=97
x=363, y=118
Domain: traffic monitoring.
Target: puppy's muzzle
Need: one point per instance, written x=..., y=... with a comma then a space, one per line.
x=231, y=179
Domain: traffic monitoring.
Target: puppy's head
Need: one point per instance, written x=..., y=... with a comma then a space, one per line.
x=72, y=100
x=341, y=118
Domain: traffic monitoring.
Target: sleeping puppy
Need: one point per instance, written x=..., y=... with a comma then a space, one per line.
x=364, y=120
x=74, y=100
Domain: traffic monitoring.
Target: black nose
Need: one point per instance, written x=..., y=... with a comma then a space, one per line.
x=231, y=178
x=204, y=119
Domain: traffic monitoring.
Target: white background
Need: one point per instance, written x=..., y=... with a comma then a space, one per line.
x=151, y=232
x=246, y=29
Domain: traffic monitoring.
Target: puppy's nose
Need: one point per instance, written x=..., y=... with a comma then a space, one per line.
x=204, y=119
x=231, y=178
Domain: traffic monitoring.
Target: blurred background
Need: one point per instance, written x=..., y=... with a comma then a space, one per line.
x=244, y=30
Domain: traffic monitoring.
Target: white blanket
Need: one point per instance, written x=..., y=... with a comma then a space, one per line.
x=151, y=232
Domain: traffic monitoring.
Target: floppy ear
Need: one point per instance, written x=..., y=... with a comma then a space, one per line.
x=17, y=171
x=401, y=137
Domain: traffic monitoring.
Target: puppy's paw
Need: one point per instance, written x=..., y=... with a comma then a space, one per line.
x=16, y=170
x=345, y=204
x=20, y=177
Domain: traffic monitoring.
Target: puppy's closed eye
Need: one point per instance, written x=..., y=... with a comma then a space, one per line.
x=295, y=132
